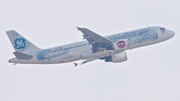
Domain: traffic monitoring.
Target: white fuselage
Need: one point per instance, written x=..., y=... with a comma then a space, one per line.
x=82, y=50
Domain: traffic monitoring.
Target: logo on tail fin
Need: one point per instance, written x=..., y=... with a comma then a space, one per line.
x=20, y=43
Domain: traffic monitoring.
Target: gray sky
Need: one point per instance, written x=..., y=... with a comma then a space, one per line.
x=151, y=73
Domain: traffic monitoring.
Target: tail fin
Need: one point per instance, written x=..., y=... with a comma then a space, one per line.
x=20, y=43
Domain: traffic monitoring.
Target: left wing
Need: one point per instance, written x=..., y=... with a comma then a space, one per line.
x=85, y=61
x=95, y=40
x=89, y=60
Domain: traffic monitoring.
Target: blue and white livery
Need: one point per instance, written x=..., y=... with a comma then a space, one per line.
x=109, y=48
x=20, y=43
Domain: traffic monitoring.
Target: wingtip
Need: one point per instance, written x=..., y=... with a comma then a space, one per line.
x=75, y=64
x=78, y=28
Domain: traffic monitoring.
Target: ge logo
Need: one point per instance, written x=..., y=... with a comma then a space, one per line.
x=121, y=44
x=20, y=43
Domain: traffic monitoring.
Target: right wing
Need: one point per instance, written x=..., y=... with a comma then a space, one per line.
x=95, y=40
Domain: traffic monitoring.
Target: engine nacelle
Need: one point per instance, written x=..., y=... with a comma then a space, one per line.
x=116, y=58
x=120, y=45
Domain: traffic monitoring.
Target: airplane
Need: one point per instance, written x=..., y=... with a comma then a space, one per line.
x=109, y=48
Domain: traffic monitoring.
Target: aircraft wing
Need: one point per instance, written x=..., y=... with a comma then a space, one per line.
x=85, y=61
x=88, y=60
x=94, y=39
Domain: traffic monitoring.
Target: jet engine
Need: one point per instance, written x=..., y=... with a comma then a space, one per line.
x=116, y=58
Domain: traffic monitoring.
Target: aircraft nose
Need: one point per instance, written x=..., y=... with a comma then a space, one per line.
x=171, y=33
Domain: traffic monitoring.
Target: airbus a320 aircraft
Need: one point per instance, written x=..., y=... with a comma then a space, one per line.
x=109, y=48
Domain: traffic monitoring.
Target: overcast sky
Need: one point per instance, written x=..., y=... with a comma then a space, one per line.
x=152, y=73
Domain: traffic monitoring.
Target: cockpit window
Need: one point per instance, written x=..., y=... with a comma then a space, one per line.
x=162, y=30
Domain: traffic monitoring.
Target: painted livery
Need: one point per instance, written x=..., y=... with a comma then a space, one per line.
x=109, y=48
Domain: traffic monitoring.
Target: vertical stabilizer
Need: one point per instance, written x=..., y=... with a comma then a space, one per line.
x=21, y=44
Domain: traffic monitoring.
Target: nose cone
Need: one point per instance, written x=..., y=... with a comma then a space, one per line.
x=173, y=33
x=170, y=33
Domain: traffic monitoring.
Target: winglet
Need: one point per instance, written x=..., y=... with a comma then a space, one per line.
x=75, y=64
x=78, y=28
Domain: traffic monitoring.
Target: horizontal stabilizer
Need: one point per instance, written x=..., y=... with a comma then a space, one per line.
x=23, y=56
